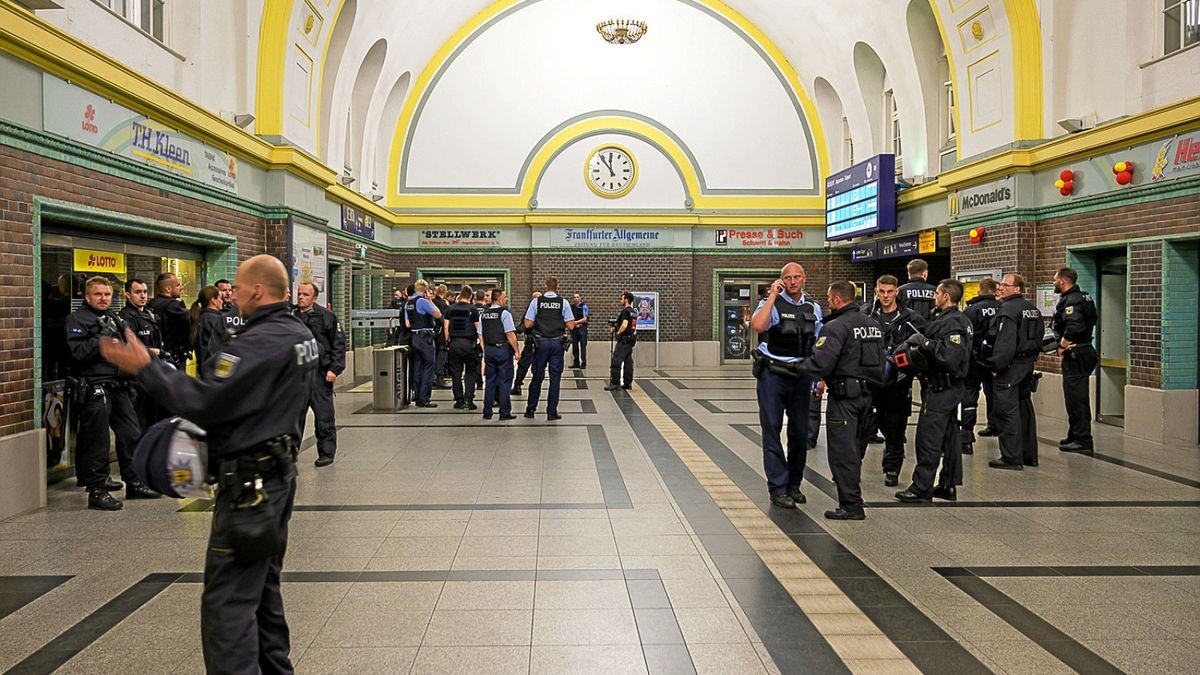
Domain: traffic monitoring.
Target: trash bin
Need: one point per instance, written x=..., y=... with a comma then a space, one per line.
x=390, y=378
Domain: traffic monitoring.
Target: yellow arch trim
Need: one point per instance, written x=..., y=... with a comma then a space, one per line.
x=421, y=86
x=937, y=17
x=1026, y=31
x=272, y=54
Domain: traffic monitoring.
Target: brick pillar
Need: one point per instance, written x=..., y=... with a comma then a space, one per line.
x=1145, y=314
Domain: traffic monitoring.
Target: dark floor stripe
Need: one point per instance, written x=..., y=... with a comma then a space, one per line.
x=1074, y=571
x=677, y=384
x=925, y=643
x=1062, y=646
x=89, y=629
x=1142, y=468
x=205, y=505
x=612, y=483
x=588, y=407
x=817, y=480
x=18, y=591
x=789, y=636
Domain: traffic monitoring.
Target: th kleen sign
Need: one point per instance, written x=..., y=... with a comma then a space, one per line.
x=759, y=237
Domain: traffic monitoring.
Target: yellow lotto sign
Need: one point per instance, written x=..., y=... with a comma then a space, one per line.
x=101, y=262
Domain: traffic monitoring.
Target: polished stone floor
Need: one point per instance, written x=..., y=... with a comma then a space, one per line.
x=634, y=535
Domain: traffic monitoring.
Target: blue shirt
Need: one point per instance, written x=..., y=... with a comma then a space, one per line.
x=505, y=319
x=762, y=346
x=531, y=313
x=424, y=306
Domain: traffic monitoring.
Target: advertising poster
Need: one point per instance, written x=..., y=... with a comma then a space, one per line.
x=645, y=308
x=310, y=258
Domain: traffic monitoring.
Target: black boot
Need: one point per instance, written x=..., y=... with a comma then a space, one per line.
x=946, y=492
x=99, y=499
x=139, y=490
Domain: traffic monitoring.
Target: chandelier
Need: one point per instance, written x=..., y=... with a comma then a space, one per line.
x=621, y=31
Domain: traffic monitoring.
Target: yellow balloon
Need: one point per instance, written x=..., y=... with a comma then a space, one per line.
x=1120, y=167
x=1059, y=183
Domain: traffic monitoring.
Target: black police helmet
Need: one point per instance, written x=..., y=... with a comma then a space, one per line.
x=172, y=458
x=909, y=360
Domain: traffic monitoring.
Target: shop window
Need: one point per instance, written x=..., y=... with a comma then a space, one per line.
x=1181, y=24
x=148, y=15
x=847, y=144
x=892, y=117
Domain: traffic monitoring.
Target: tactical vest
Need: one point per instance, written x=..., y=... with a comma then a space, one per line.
x=549, y=322
x=577, y=311
x=417, y=320
x=794, y=335
x=461, y=325
x=1029, y=335
x=492, y=322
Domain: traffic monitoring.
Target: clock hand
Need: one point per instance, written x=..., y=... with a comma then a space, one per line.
x=607, y=165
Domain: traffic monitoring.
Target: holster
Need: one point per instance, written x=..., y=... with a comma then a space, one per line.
x=847, y=387
x=77, y=390
x=758, y=363
x=939, y=382
x=1034, y=380
x=251, y=524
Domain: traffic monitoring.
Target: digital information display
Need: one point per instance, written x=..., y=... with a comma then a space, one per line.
x=861, y=200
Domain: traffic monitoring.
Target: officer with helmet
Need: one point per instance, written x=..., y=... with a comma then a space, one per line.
x=789, y=320
x=550, y=318
x=1010, y=348
x=946, y=345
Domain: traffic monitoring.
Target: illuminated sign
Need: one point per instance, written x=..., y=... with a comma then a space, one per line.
x=101, y=262
x=861, y=200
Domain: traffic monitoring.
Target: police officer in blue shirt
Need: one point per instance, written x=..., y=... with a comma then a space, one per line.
x=421, y=318
x=498, y=335
x=550, y=317
x=789, y=319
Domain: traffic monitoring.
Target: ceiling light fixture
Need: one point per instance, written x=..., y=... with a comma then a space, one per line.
x=622, y=31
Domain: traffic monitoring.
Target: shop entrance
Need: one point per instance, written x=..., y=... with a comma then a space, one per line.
x=480, y=280
x=1112, y=336
x=739, y=297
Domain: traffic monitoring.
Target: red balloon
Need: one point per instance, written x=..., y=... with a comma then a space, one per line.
x=1066, y=191
x=1069, y=186
x=1128, y=167
x=1124, y=178
x=1066, y=175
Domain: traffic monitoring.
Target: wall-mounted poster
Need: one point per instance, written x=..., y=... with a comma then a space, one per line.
x=645, y=308
x=310, y=258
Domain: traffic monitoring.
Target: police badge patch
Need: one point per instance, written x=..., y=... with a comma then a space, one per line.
x=820, y=341
x=1070, y=310
x=956, y=339
x=225, y=366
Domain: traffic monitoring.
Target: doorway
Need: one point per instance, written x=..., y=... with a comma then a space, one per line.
x=456, y=279
x=1112, y=336
x=739, y=298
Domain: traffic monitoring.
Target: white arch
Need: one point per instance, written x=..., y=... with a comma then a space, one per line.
x=380, y=124
x=829, y=107
x=922, y=135
x=329, y=72
x=871, y=76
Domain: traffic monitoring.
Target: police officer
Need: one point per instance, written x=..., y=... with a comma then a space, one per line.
x=849, y=357
x=526, y=359
x=625, y=335
x=790, y=320
x=101, y=401
x=1010, y=348
x=462, y=335
x=145, y=326
x=173, y=319
x=917, y=294
x=400, y=335
x=550, y=318
x=331, y=341
x=980, y=311
x=1074, y=320
x=438, y=298
x=892, y=403
x=579, y=334
x=421, y=318
x=208, y=327
x=233, y=319
x=498, y=335
x=251, y=409
x=946, y=346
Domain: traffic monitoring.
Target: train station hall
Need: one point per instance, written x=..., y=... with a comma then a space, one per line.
x=600, y=337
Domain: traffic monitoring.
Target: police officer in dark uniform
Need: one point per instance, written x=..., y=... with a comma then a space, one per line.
x=980, y=311
x=145, y=326
x=527, y=352
x=208, y=328
x=946, y=346
x=498, y=335
x=331, y=341
x=550, y=318
x=1010, y=348
x=625, y=334
x=1074, y=320
x=849, y=356
x=790, y=320
x=421, y=318
x=462, y=334
x=233, y=318
x=173, y=319
x=579, y=335
x=101, y=400
x=917, y=294
x=891, y=404
x=251, y=408
x=440, y=341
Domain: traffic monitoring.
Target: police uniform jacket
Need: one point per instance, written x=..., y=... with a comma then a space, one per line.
x=174, y=322
x=143, y=324
x=948, y=343
x=917, y=295
x=210, y=335
x=895, y=330
x=850, y=347
x=259, y=384
x=331, y=340
x=84, y=328
x=233, y=319
x=1015, y=333
x=1075, y=316
x=980, y=311
x=462, y=317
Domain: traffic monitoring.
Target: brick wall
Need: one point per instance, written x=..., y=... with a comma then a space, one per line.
x=1145, y=313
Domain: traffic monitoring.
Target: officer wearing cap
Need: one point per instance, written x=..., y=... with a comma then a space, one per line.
x=173, y=319
x=790, y=320
x=331, y=341
x=1010, y=348
x=849, y=357
x=497, y=334
x=421, y=318
x=946, y=345
x=251, y=409
x=101, y=401
x=233, y=319
x=917, y=294
x=145, y=326
x=980, y=311
x=526, y=359
x=1074, y=320
x=550, y=318
x=462, y=335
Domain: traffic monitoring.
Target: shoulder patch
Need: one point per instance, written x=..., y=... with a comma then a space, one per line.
x=820, y=341
x=956, y=339
x=1070, y=310
x=225, y=366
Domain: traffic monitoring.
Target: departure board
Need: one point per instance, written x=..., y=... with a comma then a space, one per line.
x=861, y=200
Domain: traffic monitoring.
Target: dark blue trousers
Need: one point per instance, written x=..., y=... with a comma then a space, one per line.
x=424, y=357
x=549, y=353
x=777, y=395
x=497, y=385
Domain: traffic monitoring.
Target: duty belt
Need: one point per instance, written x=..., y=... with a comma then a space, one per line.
x=275, y=457
x=939, y=382
x=497, y=344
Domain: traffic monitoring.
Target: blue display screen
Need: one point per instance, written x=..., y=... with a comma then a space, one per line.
x=861, y=200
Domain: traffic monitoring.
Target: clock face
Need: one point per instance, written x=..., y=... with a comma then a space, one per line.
x=610, y=171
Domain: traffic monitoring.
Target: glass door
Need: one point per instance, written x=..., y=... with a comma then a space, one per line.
x=738, y=300
x=1113, y=340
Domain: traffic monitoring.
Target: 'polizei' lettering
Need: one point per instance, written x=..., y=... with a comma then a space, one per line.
x=868, y=333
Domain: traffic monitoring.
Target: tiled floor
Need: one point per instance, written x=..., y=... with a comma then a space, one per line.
x=634, y=536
